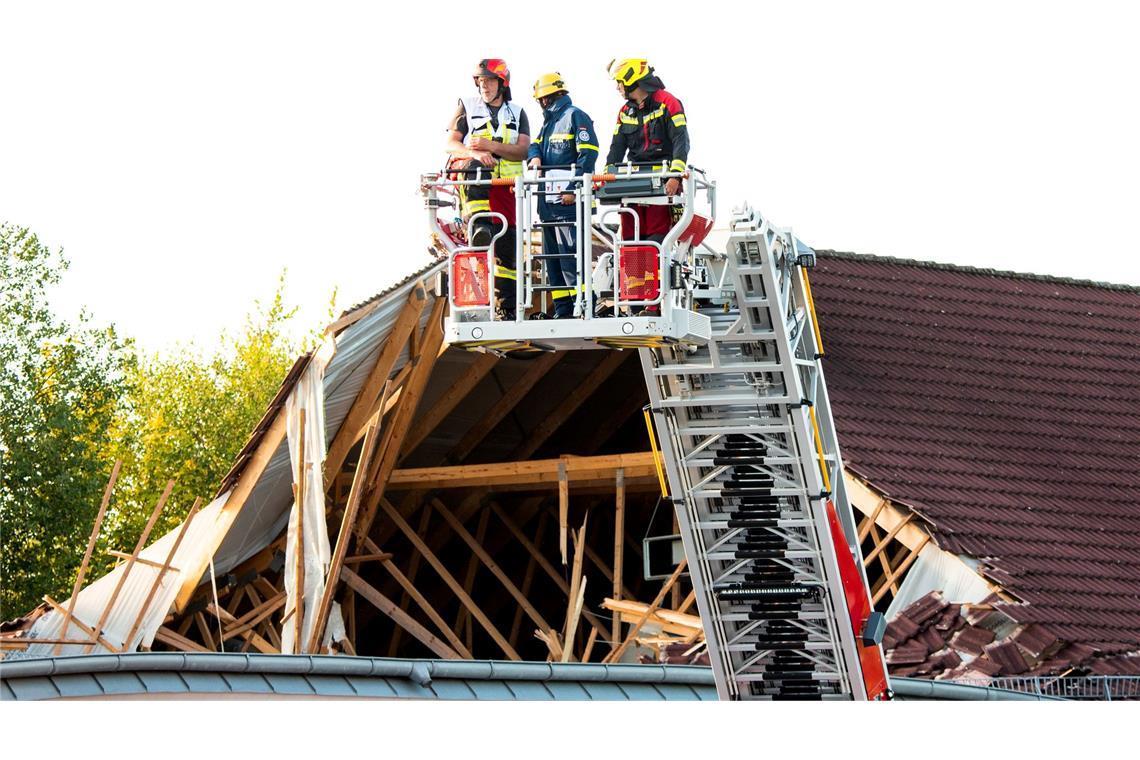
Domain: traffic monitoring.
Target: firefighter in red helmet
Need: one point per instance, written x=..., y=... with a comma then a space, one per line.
x=491, y=133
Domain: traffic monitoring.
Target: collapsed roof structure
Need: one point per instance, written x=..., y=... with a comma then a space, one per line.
x=472, y=506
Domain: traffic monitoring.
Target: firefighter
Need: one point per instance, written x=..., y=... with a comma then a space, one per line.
x=489, y=131
x=566, y=139
x=651, y=131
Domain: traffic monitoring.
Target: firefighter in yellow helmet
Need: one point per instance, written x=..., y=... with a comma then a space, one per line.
x=651, y=133
x=568, y=143
x=487, y=130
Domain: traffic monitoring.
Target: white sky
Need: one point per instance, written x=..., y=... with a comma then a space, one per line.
x=183, y=157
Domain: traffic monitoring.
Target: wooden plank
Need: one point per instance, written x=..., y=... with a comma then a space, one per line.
x=163, y=569
x=582, y=391
x=250, y=474
x=510, y=399
x=90, y=548
x=890, y=535
x=448, y=578
x=299, y=541
x=690, y=600
x=670, y=621
x=575, y=598
x=131, y=562
x=254, y=617
x=563, y=509
x=204, y=631
x=898, y=571
x=403, y=414
x=420, y=600
x=332, y=578
x=362, y=407
x=869, y=520
x=413, y=570
x=616, y=654
x=450, y=399
x=528, y=472
x=619, y=546
x=398, y=616
x=70, y=618
x=170, y=638
x=590, y=641
x=542, y=561
x=490, y=563
x=138, y=560
x=883, y=558
x=360, y=558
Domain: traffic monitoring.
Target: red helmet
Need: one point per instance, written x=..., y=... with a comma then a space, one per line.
x=494, y=67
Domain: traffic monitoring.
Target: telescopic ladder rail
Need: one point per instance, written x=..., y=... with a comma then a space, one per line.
x=756, y=478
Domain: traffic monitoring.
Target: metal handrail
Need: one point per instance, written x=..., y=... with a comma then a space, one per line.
x=1092, y=688
x=525, y=186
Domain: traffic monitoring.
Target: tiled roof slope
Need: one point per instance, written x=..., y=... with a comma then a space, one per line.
x=1005, y=408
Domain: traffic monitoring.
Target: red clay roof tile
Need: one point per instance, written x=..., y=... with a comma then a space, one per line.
x=1005, y=408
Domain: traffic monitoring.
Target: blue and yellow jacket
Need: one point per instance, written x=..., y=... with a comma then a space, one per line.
x=567, y=137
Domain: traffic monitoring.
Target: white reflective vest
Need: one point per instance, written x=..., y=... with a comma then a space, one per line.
x=479, y=125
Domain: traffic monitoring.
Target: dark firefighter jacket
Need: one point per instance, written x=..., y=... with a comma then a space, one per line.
x=567, y=137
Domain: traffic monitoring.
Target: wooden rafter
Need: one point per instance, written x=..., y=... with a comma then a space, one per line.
x=397, y=429
x=451, y=398
x=362, y=407
x=130, y=563
x=582, y=391
x=414, y=594
x=398, y=616
x=448, y=578
x=87, y=554
x=488, y=562
x=527, y=472
x=616, y=654
x=510, y=399
x=343, y=536
x=536, y=554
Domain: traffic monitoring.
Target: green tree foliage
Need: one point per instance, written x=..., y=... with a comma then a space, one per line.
x=188, y=414
x=60, y=386
x=74, y=398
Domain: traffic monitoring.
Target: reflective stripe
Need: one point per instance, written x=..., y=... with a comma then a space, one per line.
x=556, y=294
x=587, y=146
x=623, y=119
x=617, y=128
x=656, y=114
x=537, y=140
x=474, y=207
x=562, y=136
x=504, y=273
x=679, y=120
x=479, y=120
x=677, y=166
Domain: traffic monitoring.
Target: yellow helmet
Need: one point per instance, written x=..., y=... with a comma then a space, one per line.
x=548, y=84
x=629, y=71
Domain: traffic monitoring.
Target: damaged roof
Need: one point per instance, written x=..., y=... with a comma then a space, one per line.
x=1005, y=409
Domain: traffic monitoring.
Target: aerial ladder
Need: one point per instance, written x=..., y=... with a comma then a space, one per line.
x=730, y=351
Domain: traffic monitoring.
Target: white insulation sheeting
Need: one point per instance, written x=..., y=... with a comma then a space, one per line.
x=93, y=600
x=308, y=395
x=326, y=391
x=938, y=570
